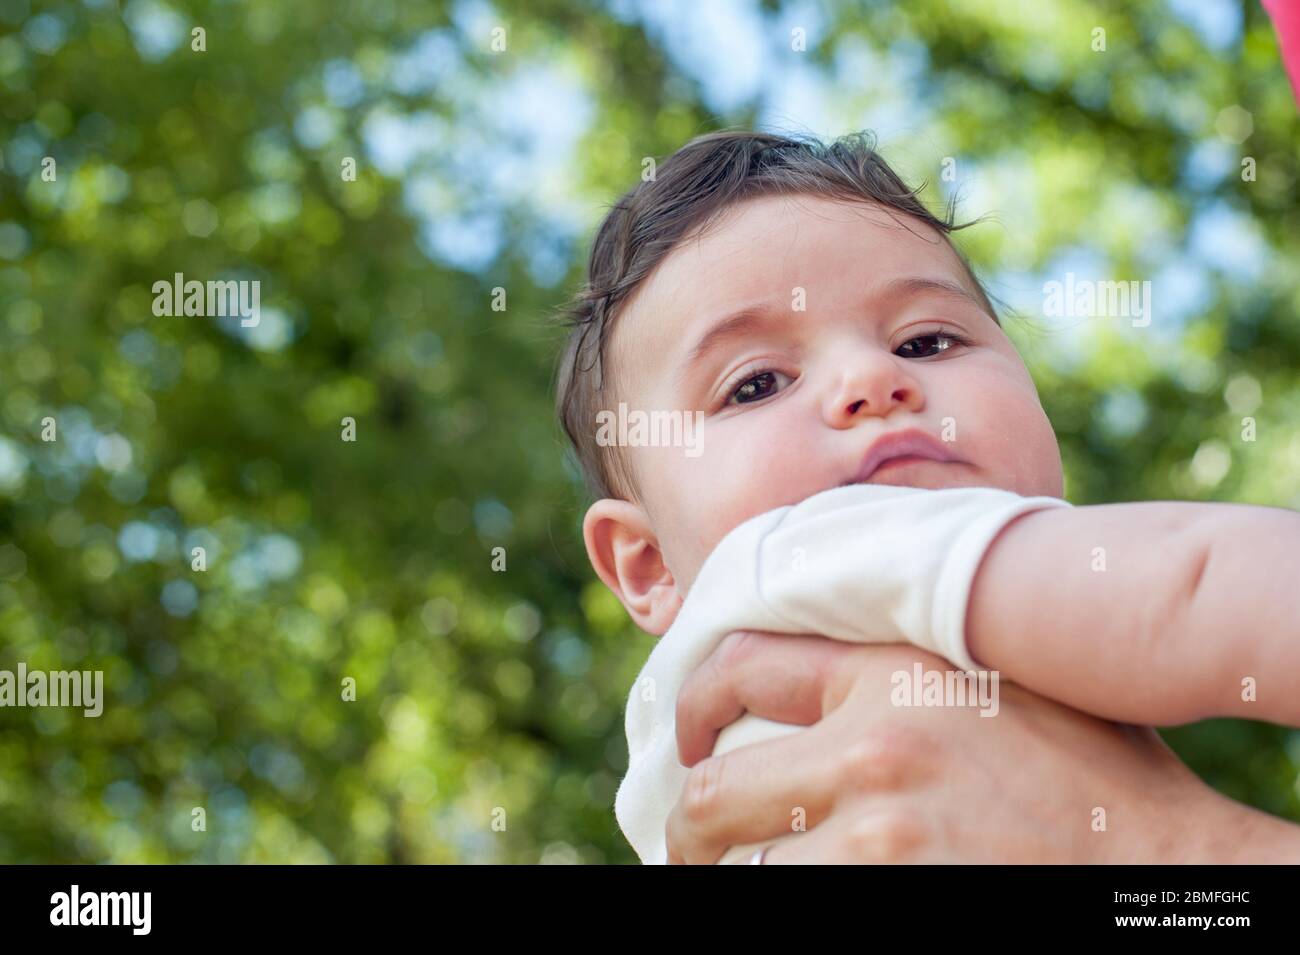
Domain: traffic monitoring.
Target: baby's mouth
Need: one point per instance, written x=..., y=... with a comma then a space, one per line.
x=902, y=451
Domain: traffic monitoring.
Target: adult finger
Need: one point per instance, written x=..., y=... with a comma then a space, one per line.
x=752, y=794
x=787, y=678
x=856, y=835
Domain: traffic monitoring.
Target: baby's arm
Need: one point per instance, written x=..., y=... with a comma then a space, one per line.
x=1193, y=600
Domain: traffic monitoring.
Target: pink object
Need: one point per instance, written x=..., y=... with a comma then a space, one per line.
x=1286, y=20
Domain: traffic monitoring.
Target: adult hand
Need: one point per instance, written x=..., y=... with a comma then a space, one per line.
x=885, y=783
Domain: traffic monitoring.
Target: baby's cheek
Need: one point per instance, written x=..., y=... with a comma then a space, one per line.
x=726, y=492
x=1024, y=444
x=691, y=505
x=704, y=501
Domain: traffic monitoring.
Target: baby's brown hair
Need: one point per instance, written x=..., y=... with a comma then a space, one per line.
x=688, y=191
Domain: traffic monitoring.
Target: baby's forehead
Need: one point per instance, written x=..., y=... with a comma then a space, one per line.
x=774, y=249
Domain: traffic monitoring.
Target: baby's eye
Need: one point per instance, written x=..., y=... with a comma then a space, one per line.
x=924, y=346
x=757, y=388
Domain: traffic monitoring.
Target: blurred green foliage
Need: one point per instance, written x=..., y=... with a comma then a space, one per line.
x=480, y=691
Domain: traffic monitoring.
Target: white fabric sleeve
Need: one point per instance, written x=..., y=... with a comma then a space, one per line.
x=863, y=563
x=894, y=565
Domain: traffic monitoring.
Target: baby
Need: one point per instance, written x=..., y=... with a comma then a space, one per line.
x=872, y=463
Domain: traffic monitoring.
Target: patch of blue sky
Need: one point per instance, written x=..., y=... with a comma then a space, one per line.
x=396, y=141
x=156, y=29
x=1217, y=22
x=797, y=95
x=179, y=598
x=274, y=329
x=13, y=466
x=1208, y=163
x=475, y=20
x=1123, y=413
x=138, y=541
x=78, y=439
x=1228, y=241
x=900, y=83
x=548, y=256
x=467, y=241
x=804, y=15
x=1064, y=338
x=344, y=85
x=452, y=231
x=45, y=33
x=1002, y=190
x=721, y=45
x=272, y=557
x=1181, y=291
x=316, y=126
x=514, y=139
x=433, y=59
x=801, y=103
x=1159, y=97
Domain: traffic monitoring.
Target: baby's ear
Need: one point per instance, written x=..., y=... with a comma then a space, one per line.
x=624, y=551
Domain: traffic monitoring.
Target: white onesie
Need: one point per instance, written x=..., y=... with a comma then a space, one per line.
x=863, y=563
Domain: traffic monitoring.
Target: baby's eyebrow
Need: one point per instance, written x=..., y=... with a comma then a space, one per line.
x=919, y=285
x=737, y=324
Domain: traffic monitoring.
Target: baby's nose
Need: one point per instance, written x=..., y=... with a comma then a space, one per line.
x=872, y=388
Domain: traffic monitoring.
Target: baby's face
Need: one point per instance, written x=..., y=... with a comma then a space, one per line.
x=890, y=337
